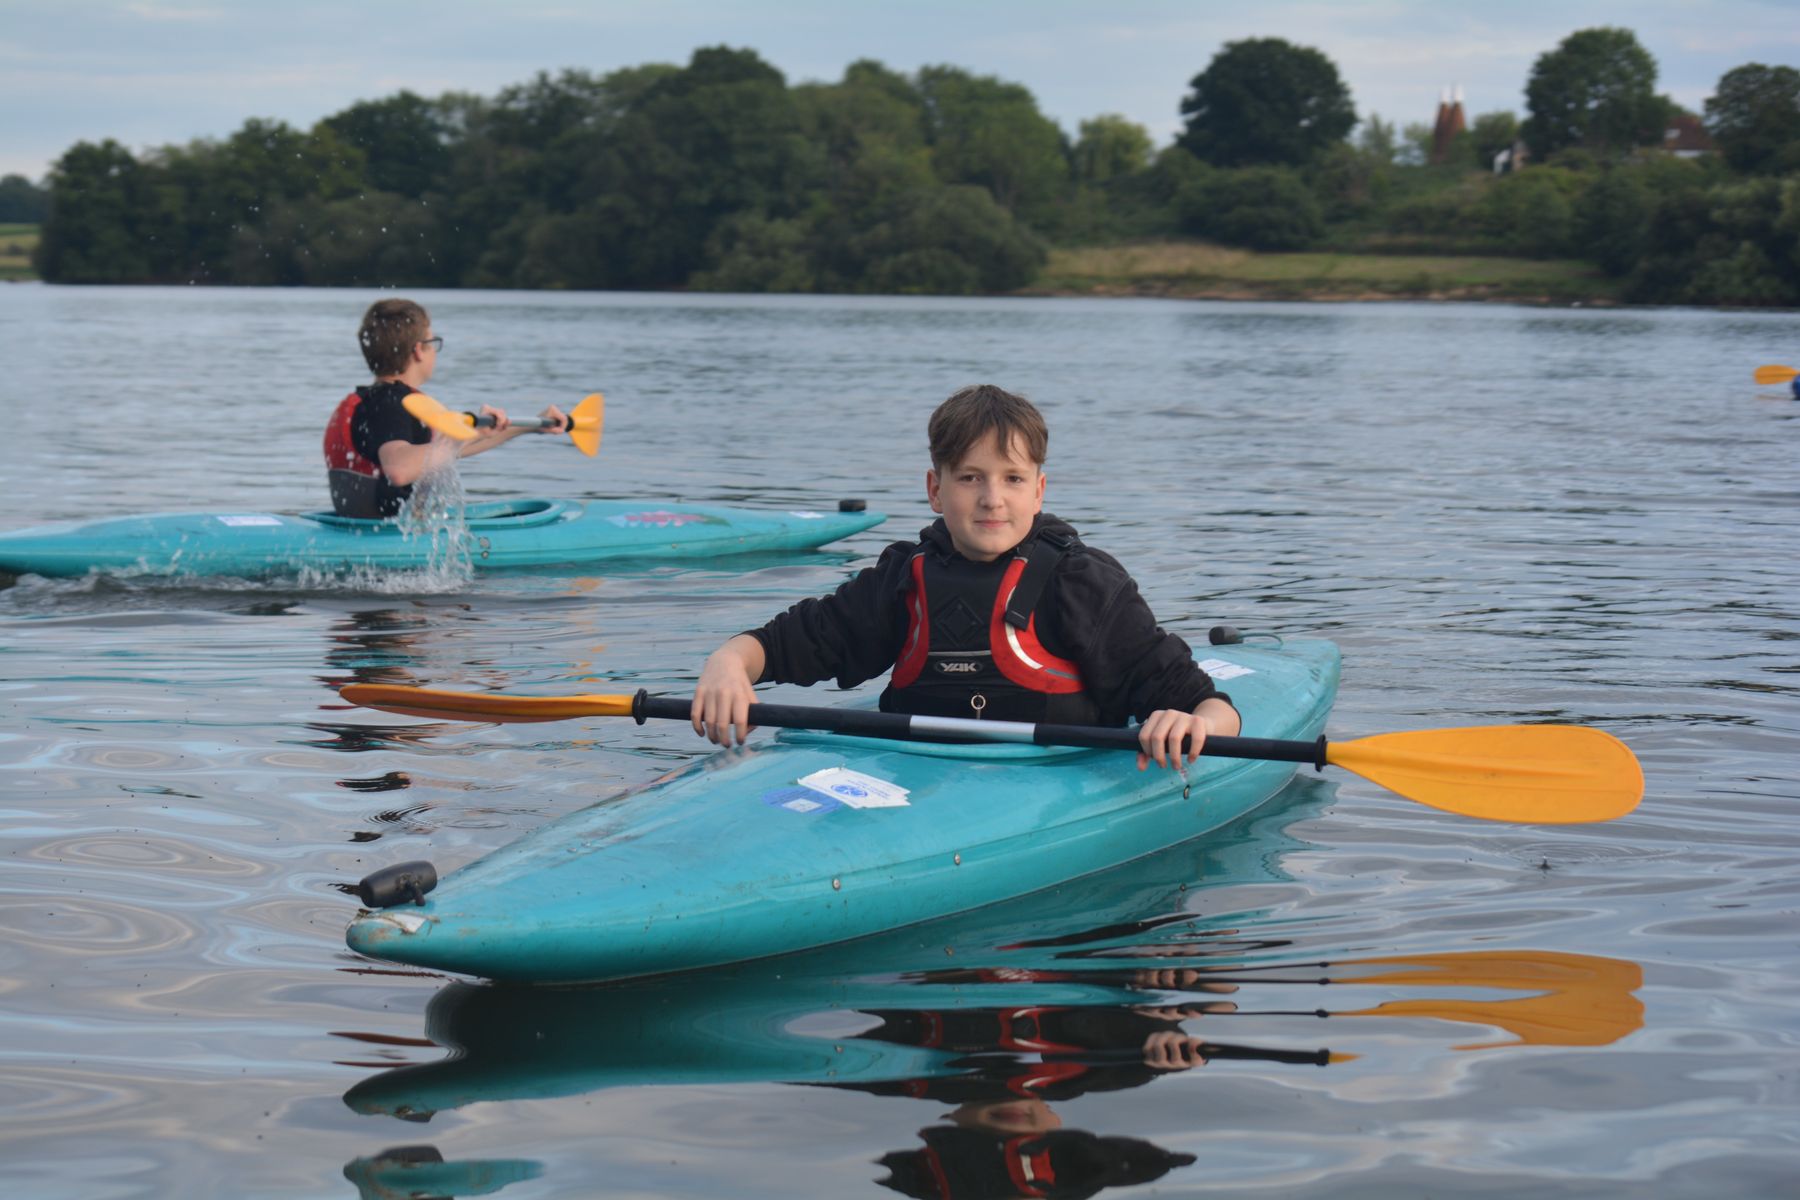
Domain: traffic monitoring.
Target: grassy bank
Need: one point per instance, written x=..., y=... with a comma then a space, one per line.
x=1197, y=270
x=16, y=244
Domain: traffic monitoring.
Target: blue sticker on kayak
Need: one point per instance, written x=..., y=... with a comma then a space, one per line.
x=800, y=800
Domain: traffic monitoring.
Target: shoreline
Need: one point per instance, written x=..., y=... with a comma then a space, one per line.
x=1320, y=296
x=1203, y=271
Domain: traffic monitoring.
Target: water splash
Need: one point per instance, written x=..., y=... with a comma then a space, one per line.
x=436, y=514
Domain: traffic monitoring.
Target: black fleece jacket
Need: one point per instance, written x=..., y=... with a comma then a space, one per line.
x=1090, y=613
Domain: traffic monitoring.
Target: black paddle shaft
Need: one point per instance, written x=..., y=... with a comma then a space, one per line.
x=906, y=727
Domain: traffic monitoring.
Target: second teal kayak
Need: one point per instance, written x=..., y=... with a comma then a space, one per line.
x=492, y=536
x=813, y=839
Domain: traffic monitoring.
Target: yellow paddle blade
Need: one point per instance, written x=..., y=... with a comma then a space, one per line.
x=1537, y=774
x=1774, y=374
x=584, y=424
x=435, y=702
x=435, y=416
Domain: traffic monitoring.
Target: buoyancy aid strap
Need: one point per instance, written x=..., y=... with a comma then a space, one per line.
x=1018, y=653
x=1040, y=563
x=1028, y=1165
x=918, y=634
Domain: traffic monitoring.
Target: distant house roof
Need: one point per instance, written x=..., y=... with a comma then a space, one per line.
x=1686, y=137
x=1450, y=123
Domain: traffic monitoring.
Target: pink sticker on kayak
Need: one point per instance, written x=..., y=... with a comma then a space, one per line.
x=664, y=519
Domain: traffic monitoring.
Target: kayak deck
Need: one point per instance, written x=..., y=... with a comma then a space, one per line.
x=814, y=839
x=493, y=536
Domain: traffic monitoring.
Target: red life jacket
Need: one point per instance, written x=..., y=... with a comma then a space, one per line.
x=972, y=649
x=354, y=480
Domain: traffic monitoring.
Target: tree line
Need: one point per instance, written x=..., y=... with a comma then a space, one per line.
x=721, y=175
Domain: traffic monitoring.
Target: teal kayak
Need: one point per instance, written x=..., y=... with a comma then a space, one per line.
x=1113, y=938
x=493, y=536
x=814, y=839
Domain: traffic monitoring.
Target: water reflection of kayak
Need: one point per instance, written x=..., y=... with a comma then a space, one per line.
x=495, y=535
x=818, y=1017
x=817, y=839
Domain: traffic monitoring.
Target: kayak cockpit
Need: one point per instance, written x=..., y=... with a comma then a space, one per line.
x=489, y=514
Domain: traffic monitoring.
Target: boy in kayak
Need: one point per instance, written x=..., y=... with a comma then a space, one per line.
x=374, y=449
x=997, y=611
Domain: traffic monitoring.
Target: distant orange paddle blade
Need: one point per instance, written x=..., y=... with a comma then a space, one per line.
x=584, y=424
x=435, y=416
x=1538, y=774
x=1775, y=374
x=481, y=706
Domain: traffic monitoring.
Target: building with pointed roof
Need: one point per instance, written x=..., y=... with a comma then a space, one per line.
x=1451, y=121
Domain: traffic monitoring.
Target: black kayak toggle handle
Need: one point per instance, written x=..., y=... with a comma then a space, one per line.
x=398, y=884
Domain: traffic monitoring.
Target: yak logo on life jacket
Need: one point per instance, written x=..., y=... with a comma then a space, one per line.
x=957, y=666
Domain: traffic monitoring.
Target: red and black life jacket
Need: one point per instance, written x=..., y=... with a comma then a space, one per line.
x=355, y=481
x=971, y=647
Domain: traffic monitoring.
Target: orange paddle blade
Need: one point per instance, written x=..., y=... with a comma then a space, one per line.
x=1537, y=774
x=434, y=702
x=585, y=420
x=1774, y=374
x=435, y=416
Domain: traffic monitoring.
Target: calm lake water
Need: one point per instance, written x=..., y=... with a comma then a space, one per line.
x=1501, y=514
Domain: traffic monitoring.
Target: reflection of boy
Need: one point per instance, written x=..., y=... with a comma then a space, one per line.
x=998, y=611
x=374, y=449
x=969, y=1160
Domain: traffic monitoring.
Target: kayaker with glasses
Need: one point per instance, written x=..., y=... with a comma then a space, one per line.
x=997, y=611
x=375, y=451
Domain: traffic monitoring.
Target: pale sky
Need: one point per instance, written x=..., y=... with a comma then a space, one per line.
x=154, y=72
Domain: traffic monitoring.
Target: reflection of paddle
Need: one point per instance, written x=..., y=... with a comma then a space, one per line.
x=1587, y=1000
x=1774, y=374
x=584, y=420
x=1541, y=774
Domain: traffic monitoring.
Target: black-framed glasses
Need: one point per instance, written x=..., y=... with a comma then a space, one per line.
x=436, y=343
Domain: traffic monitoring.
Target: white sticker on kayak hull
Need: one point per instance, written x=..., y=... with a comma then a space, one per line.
x=1218, y=668
x=854, y=789
x=250, y=519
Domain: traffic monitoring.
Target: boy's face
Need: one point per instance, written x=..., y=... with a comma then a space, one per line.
x=988, y=499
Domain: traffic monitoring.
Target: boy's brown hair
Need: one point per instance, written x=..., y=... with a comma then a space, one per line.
x=969, y=415
x=390, y=330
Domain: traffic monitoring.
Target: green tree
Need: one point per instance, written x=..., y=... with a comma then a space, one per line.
x=22, y=200
x=1491, y=133
x=1264, y=208
x=1265, y=100
x=756, y=254
x=1754, y=116
x=1614, y=220
x=91, y=234
x=950, y=241
x=1532, y=213
x=1596, y=90
x=404, y=140
x=1378, y=139
x=1108, y=147
x=989, y=133
x=1352, y=180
